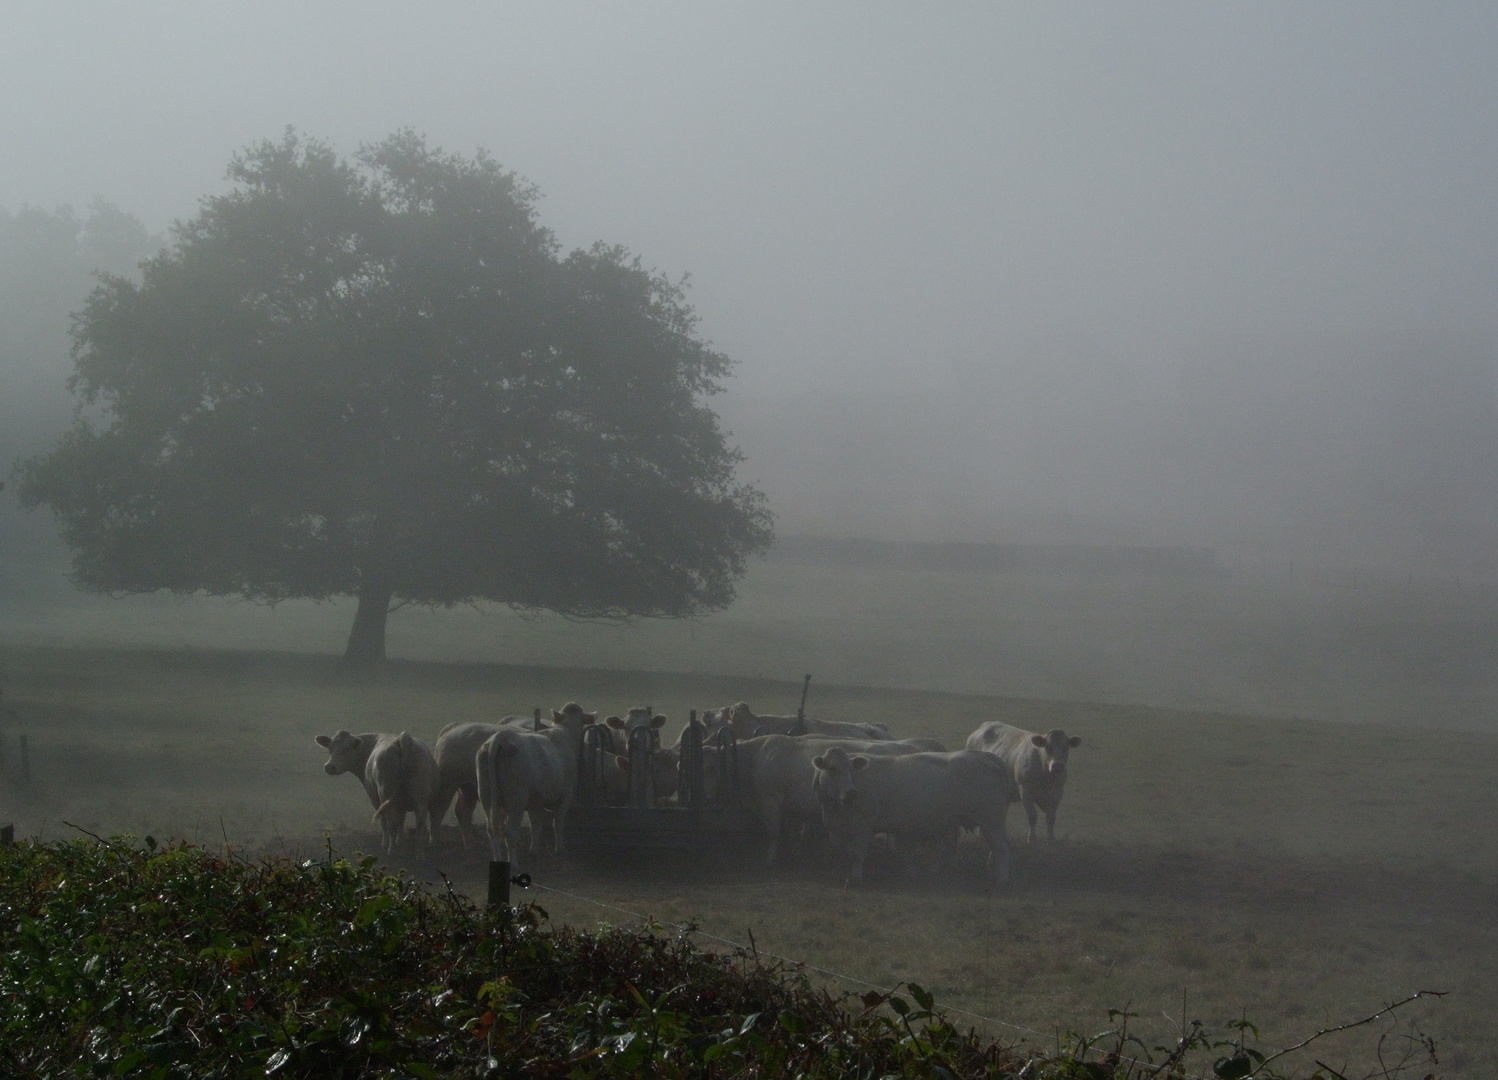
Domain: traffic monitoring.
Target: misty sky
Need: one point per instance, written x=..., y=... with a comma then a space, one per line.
x=980, y=211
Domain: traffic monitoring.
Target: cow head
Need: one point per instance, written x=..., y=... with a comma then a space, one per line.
x=346, y=752
x=714, y=719
x=833, y=781
x=638, y=717
x=742, y=719
x=572, y=717
x=1056, y=746
x=666, y=778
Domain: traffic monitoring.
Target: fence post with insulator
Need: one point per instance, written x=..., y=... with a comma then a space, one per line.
x=499, y=884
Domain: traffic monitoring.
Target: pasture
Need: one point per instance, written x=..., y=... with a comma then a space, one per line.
x=1268, y=641
x=1303, y=872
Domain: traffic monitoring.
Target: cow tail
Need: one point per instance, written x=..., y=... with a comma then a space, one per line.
x=381, y=811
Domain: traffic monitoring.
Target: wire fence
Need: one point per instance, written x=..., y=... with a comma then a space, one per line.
x=755, y=950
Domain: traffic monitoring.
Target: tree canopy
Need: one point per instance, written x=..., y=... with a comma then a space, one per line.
x=382, y=377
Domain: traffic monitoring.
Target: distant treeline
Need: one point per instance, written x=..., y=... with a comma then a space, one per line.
x=996, y=558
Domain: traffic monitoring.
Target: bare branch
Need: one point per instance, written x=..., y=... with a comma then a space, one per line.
x=1386, y=1010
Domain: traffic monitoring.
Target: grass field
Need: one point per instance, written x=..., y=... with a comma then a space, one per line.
x=1302, y=871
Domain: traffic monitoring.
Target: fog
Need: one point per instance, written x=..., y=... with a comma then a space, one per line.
x=1215, y=275
x=1215, y=282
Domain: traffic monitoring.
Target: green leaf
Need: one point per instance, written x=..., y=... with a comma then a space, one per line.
x=372, y=909
x=1233, y=1068
x=924, y=999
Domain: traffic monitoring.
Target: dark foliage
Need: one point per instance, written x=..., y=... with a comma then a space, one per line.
x=124, y=961
x=120, y=959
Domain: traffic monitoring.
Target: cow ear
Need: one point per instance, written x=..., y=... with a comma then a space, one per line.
x=324, y=741
x=591, y=717
x=1038, y=740
x=1074, y=742
x=859, y=762
x=556, y=716
x=820, y=762
x=614, y=722
x=659, y=721
x=621, y=761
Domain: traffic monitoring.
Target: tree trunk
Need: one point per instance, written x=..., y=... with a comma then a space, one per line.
x=366, y=642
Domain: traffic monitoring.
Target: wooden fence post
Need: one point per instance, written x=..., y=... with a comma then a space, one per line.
x=499, y=884
x=7, y=834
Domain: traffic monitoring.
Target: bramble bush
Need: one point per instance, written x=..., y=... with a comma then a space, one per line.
x=123, y=959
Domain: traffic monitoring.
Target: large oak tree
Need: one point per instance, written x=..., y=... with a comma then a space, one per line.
x=381, y=377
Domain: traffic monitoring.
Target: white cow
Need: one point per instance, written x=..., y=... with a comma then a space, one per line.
x=747, y=725
x=1037, y=762
x=398, y=774
x=616, y=780
x=456, y=747
x=535, y=771
x=922, y=797
x=775, y=776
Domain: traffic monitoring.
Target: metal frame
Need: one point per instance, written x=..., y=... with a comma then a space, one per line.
x=694, y=826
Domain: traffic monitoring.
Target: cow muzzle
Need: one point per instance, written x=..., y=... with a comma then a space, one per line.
x=330, y=769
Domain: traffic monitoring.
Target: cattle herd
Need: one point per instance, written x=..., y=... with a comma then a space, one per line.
x=853, y=779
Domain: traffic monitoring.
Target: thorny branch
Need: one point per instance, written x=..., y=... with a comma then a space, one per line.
x=1346, y=1027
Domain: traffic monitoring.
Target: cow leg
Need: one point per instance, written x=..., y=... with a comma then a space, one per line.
x=463, y=812
x=944, y=852
x=542, y=823
x=559, y=824
x=813, y=837
x=905, y=849
x=770, y=818
x=499, y=840
x=504, y=832
x=463, y=807
x=512, y=836
x=1050, y=823
x=1030, y=815
x=424, y=824
x=997, y=838
x=860, y=852
x=539, y=820
x=440, y=802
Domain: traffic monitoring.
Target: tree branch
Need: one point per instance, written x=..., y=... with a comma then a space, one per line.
x=1345, y=1027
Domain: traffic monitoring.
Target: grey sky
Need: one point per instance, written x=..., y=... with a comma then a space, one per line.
x=957, y=199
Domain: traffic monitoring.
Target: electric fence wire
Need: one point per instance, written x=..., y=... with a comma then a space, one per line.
x=754, y=950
